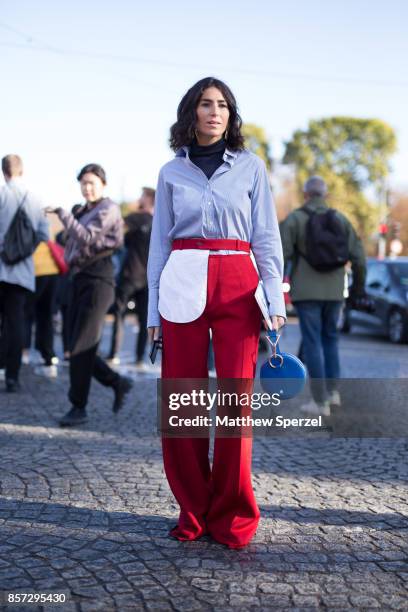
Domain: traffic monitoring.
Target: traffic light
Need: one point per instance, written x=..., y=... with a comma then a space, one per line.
x=383, y=229
x=395, y=229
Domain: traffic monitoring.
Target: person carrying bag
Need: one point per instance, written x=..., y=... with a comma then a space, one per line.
x=20, y=240
x=22, y=226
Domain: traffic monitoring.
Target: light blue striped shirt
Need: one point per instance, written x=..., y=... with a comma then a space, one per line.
x=236, y=202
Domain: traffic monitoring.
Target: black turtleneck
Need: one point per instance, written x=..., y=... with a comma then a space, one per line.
x=208, y=157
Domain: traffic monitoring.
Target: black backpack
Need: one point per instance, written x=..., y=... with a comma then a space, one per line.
x=326, y=240
x=20, y=240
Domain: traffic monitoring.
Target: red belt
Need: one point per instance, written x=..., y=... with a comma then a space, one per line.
x=211, y=244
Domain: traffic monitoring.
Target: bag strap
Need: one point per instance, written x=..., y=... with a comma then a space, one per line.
x=20, y=206
x=310, y=212
x=276, y=359
x=307, y=210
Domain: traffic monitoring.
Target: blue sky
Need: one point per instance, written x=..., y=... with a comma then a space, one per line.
x=287, y=62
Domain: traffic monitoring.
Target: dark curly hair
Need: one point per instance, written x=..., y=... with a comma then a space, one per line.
x=182, y=132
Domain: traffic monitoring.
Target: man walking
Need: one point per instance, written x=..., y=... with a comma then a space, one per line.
x=133, y=277
x=317, y=243
x=16, y=280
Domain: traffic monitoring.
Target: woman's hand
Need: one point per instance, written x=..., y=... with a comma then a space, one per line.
x=153, y=333
x=277, y=322
x=51, y=210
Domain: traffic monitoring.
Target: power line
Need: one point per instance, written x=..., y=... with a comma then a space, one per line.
x=36, y=44
x=15, y=31
x=27, y=37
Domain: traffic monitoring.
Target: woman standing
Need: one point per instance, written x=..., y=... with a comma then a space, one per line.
x=93, y=232
x=213, y=204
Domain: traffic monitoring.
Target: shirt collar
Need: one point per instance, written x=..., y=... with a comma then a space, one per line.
x=229, y=156
x=316, y=202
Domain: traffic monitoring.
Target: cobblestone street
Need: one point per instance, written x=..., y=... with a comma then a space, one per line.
x=86, y=512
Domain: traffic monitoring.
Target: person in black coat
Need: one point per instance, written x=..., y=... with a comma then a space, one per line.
x=133, y=277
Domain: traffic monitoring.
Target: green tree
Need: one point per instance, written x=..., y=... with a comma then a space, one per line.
x=353, y=156
x=257, y=142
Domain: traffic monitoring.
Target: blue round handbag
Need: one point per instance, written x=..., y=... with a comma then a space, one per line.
x=282, y=373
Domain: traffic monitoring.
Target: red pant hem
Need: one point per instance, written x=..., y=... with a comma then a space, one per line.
x=177, y=533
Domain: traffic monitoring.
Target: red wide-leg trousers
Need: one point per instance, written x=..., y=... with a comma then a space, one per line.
x=218, y=501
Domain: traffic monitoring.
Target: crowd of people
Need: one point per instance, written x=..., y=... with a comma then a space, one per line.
x=105, y=268
x=73, y=275
x=34, y=290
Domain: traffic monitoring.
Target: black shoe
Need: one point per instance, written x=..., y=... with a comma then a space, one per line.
x=12, y=385
x=121, y=389
x=75, y=416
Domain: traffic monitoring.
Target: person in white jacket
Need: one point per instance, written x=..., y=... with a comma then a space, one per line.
x=17, y=280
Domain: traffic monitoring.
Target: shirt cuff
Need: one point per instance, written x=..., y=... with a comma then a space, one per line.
x=154, y=320
x=275, y=297
x=153, y=315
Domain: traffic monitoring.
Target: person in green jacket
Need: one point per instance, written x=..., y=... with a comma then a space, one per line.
x=318, y=295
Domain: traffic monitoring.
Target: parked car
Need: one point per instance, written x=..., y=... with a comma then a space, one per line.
x=387, y=289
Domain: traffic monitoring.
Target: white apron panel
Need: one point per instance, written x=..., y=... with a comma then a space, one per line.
x=183, y=285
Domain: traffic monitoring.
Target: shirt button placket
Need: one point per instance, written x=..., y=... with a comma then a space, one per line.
x=209, y=212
